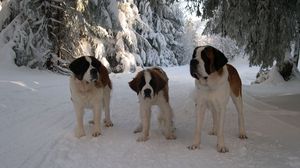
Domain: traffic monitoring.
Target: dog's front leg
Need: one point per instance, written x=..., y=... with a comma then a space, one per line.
x=145, y=116
x=200, y=111
x=97, y=119
x=220, y=131
x=79, y=131
x=215, y=125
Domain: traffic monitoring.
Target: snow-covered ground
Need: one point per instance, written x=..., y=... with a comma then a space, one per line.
x=37, y=123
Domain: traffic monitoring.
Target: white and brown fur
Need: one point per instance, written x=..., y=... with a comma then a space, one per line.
x=90, y=87
x=215, y=81
x=151, y=86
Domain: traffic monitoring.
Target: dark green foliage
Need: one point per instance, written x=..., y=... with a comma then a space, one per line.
x=266, y=28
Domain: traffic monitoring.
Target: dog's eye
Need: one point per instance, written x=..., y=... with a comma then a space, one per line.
x=152, y=84
x=142, y=83
x=204, y=57
x=206, y=61
x=96, y=64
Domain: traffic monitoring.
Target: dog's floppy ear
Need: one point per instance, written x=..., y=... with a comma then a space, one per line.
x=157, y=81
x=104, y=78
x=78, y=67
x=135, y=83
x=220, y=60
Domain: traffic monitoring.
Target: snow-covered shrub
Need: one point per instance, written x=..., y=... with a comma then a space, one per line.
x=279, y=73
x=261, y=76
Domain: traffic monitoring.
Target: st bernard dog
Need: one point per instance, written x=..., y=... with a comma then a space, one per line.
x=90, y=87
x=151, y=86
x=215, y=81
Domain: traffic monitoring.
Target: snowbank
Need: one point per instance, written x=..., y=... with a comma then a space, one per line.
x=37, y=123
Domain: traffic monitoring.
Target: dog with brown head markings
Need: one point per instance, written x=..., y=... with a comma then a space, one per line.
x=151, y=86
x=90, y=87
x=215, y=82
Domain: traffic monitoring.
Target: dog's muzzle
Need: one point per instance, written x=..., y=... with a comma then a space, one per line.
x=193, y=68
x=147, y=93
x=94, y=74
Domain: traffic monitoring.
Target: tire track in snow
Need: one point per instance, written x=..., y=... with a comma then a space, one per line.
x=35, y=134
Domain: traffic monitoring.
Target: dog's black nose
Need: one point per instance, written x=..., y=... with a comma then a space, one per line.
x=193, y=68
x=147, y=92
x=94, y=74
x=205, y=77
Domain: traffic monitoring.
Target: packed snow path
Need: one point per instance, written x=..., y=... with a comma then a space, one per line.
x=37, y=124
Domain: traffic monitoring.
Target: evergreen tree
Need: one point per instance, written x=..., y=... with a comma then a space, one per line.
x=121, y=34
x=266, y=28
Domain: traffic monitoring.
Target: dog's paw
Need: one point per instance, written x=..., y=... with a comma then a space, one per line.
x=79, y=133
x=193, y=147
x=142, y=139
x=171, y=137
x=96, y=133
x=222, y=149
x=243, y=136
x=212, y=132
x=108, y=123
x=138, y=129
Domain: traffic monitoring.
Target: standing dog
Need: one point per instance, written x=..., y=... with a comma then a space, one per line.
x=151, y=86
x=90, y=87
x=215, y=81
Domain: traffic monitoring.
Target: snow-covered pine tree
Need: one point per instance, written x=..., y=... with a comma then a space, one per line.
x=29, y=29
x=32, y=41
x=189, y=39
x=266, y=28
x=122, y=34
x=160, y=31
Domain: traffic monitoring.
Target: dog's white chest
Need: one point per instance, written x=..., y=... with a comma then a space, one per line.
x=212, y=94
x=86, y=97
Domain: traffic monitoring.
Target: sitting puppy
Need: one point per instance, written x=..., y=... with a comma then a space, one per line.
x=151, y=86
x=215, y=81
x=90, y=87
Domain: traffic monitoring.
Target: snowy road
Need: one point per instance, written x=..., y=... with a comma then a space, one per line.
x=37, y=123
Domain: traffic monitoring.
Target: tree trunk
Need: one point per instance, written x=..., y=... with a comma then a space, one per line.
x=297, y=45
x=285, y=69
